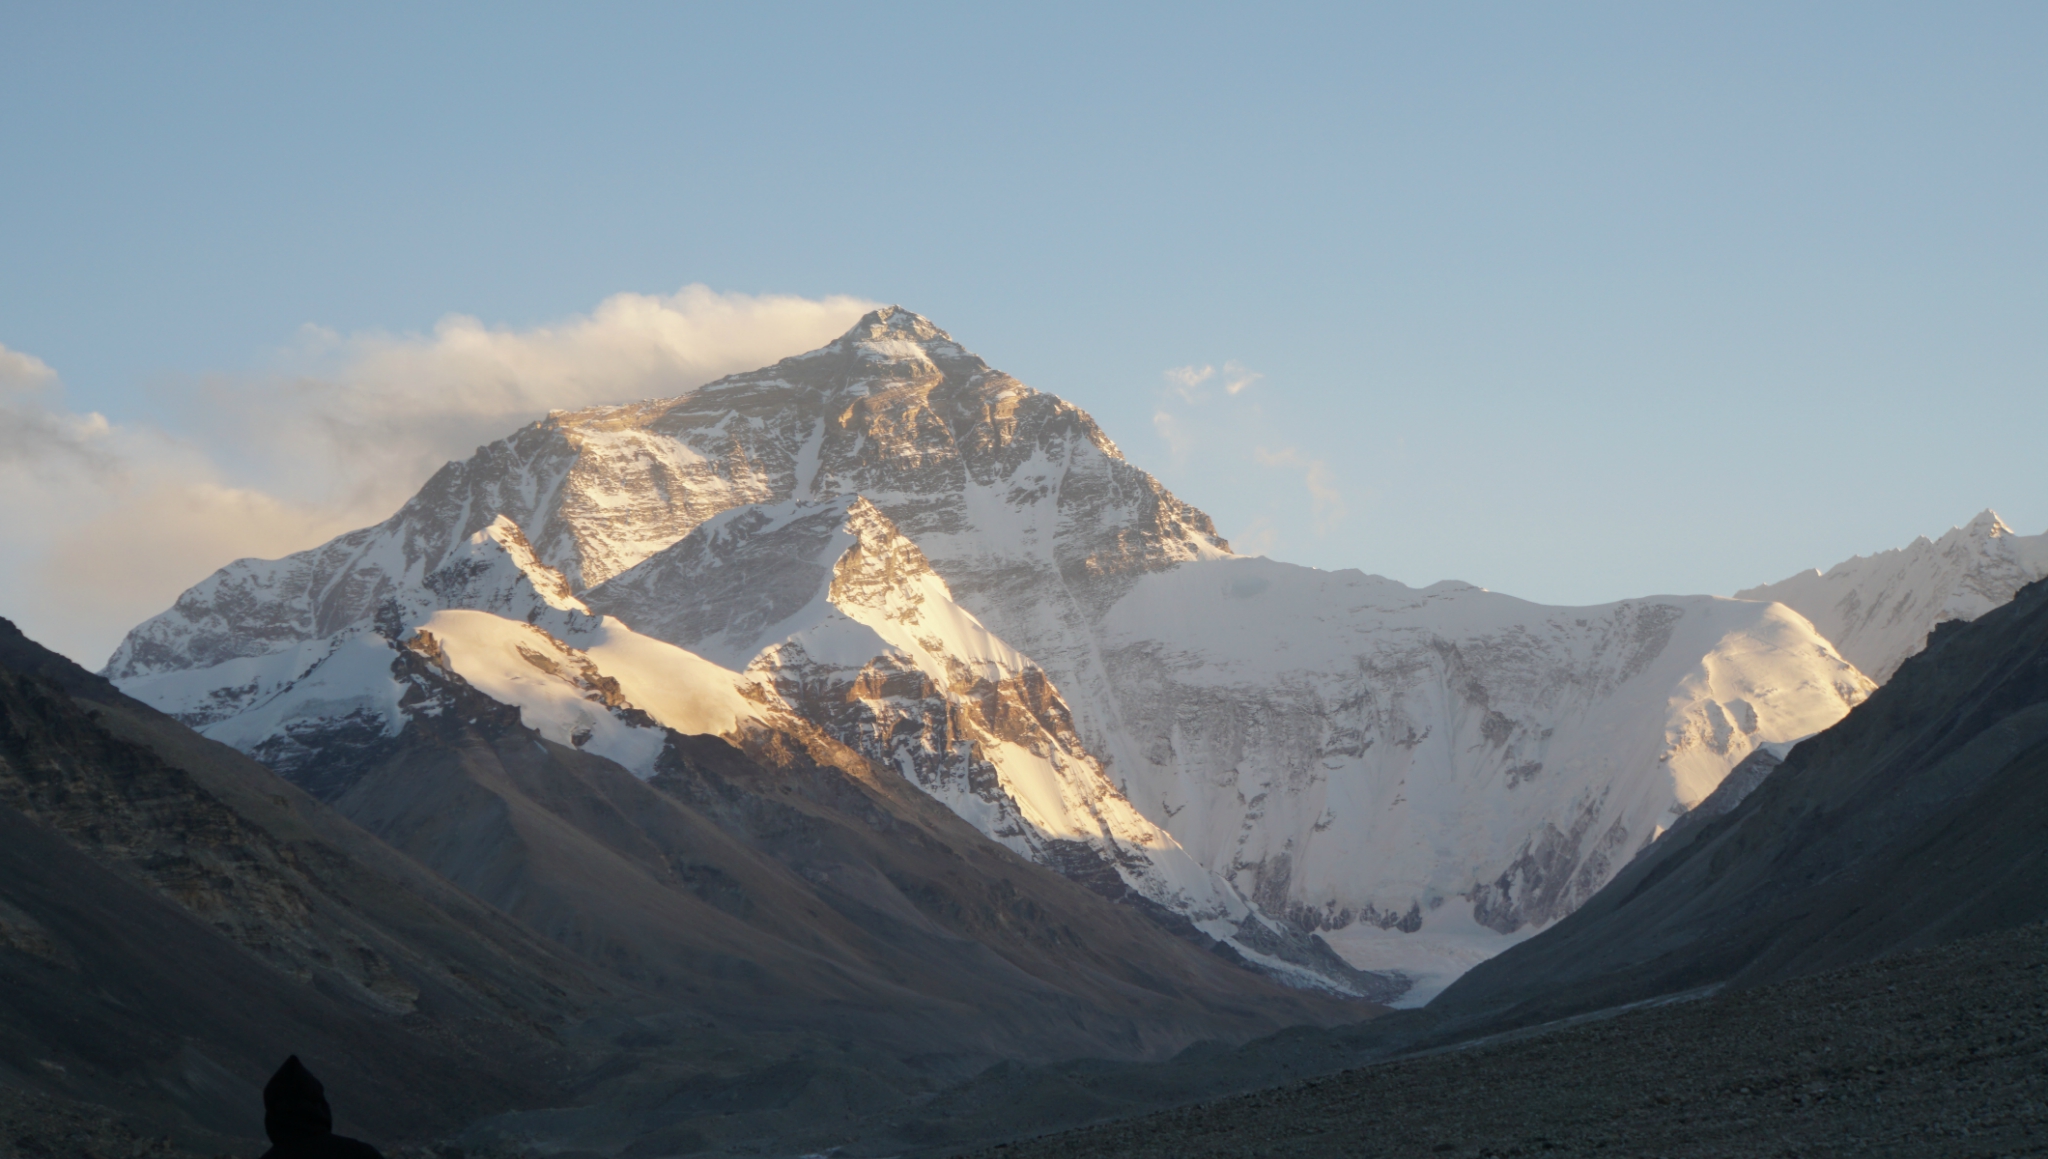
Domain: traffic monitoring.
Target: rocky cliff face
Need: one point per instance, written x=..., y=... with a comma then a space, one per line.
x=961, y=576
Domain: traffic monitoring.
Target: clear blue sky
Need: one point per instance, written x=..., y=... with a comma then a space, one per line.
x=1574, y=301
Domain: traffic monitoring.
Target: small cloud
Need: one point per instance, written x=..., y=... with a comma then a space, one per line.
x=1184, y=382
x=1237, y=376
x=1185, y=379
x=1326, y=503
x=1259, y=537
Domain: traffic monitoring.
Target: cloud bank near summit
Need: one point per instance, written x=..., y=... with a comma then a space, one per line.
x=108, y=521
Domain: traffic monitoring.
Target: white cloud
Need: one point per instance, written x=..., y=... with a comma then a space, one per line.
x=20, y=371
x=380, y=412
x=1191, y=416
x=105, y=523
x=1181, y=417
x=1326, y=503
x=1237, y=376
x=1183, y=380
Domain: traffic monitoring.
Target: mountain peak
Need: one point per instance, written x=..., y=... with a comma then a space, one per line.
x=1987, y=525
x=1878, y=609
x=890, y=326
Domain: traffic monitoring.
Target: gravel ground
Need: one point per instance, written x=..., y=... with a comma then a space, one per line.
x=1942, y=1052
x=1939, y=1053
x=35, y=1126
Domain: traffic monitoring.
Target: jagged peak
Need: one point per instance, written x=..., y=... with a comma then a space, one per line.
x=1987, y=525
x=894, y=334
x=895, y=322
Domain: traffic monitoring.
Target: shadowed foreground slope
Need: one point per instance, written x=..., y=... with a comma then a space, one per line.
x=174, y=920
x=1943, y=1052
x=750, y=950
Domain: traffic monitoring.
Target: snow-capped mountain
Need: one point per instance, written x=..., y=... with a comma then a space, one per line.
x=1878, y=609
x=962, y=577
x=489, y=612
x=835, y=610
x=1342, y=746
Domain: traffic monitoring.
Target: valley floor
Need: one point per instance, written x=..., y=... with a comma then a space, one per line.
x=1942, y=1052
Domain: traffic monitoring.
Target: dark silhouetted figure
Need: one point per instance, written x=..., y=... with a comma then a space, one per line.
x=296, y=1118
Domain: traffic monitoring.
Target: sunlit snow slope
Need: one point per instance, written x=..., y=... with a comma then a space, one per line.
x=1878, y=609
x=962, y=577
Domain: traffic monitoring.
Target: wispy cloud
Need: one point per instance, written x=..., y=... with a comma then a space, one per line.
x=23, y=372
x=1237, y=376
x=1188, y=391
x=1185, y=382
x=1212, y=411
x=107, y=522
x=1182, y=381
x=370, y=407
x=1326, y=502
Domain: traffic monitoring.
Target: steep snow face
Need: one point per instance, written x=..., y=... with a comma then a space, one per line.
x=1346, y=749
x=615, y=696
x=246, y=643
x=832, y=608
x=1878, y=609
x=255, y=608
x=491, y=613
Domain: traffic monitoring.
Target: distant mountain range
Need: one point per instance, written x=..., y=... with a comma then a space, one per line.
x=1850, y=954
